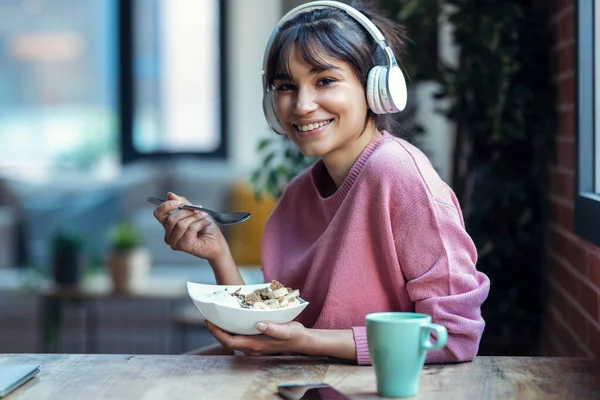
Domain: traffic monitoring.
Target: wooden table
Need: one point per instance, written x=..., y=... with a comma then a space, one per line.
x=230, y=377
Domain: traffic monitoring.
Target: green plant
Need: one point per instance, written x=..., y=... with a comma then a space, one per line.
x=124, y=237
x=67, y=241
x=503, y=106
x=420, y=19
x=281, y=162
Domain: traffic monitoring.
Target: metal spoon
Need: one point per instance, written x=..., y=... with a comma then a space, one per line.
x=219, y=217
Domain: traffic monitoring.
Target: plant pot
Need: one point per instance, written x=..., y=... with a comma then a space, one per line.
x=67, y=267
x=129, y=269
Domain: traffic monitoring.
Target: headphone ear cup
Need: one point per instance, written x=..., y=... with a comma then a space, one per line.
x=370, y=91
x=270, y=114
x=383, y=93
x=397, y=92
x=373, y=85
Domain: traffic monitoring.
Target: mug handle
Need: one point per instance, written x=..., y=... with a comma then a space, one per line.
x=441, y=333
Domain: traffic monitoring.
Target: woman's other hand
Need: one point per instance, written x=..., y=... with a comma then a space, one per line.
x=291, y=337
x=277, y=338
x=193, y=232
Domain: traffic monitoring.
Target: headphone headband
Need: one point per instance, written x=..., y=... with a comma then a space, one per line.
x=352, y=12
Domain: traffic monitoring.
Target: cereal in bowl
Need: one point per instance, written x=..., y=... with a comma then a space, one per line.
x=272, y=297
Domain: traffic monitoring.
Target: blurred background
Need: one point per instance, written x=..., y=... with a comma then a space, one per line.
x=106, y=102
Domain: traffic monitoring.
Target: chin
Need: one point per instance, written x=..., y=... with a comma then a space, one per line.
x=312, y=151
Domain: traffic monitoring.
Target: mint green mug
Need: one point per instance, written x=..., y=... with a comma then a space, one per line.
x=398, y=343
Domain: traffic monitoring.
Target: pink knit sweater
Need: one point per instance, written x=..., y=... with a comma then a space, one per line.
x=391, y=238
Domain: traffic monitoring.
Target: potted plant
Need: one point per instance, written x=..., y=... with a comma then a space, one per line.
x=128, y=260
x=67, y=258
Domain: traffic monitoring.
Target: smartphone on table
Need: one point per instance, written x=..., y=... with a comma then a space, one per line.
x=310, y=391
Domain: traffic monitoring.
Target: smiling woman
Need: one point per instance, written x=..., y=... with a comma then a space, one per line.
x=369, y=227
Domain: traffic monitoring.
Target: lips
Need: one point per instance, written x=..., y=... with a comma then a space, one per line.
x=312, y=126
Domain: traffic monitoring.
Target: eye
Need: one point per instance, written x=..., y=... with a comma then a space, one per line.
x=284, y=87
x=325, y=82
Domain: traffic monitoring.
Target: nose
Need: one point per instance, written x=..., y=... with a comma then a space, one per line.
x=305, y=101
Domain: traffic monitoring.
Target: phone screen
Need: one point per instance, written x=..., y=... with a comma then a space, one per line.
x=310, y=391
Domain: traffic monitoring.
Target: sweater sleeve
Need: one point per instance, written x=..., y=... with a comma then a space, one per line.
x=438, y=259
x=363, y=357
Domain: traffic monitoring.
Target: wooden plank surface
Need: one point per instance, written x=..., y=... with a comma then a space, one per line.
x=227, y=377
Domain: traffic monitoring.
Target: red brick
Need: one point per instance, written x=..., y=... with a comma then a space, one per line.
x=561, y=184
x=577, y=323
x=567, y=341
x=562, y=215
x=581, y=352
x=556, y=243
x=594, y=337
x=566, y=90
x=568, y=53
x=566, y=124
x=588, y=299
x=564, y=60
x=557, y=300
x=576, y=255
x=566, y=280
x=564, y=25
x=568, y=25
x=565, y=155
x=559, y=31
x=594, y=270
x=560, y=62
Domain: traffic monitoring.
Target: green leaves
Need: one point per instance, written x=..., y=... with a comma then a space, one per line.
x=124, y=237
x=503, y=106
x=281, y=162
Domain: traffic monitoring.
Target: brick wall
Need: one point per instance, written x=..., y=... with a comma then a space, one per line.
x=572, y=320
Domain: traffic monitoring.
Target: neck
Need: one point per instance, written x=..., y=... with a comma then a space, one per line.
x=340, y=162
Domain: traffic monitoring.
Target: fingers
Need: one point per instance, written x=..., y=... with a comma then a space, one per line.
x=276, y=331
x=162, y=212
x=173, y=196
x=187, y=229
x=181, y=228
x=219, y=334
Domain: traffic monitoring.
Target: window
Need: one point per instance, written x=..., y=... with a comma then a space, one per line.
x=57, y=94
x=173, y=86
x=587, y=196
x=85, y=85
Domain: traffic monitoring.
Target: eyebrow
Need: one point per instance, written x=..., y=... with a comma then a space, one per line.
x=313, y=71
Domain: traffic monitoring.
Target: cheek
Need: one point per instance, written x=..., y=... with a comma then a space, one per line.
x=352, y=106
x=282, y=105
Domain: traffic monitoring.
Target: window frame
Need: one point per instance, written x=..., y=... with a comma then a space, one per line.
x=587, y=201
x=126, y=89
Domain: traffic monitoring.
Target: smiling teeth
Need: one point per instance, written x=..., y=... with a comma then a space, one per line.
x=310, y=127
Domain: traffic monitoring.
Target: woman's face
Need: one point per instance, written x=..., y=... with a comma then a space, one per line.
x=323, y=112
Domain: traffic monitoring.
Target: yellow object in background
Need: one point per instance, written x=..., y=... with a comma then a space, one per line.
x=245, y=238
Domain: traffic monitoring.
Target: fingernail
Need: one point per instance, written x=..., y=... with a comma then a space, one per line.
x=261, y=326
x=171, y=193
x=175, y=203
x=202, y=213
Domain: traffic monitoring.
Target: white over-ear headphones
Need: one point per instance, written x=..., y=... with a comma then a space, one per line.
x=386, y=87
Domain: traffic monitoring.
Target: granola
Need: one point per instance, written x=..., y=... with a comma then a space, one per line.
x=272, y=297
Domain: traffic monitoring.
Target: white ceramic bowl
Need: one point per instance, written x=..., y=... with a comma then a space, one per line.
x=238, y=320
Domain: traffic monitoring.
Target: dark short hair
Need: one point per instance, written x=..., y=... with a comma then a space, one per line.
x=333, y=33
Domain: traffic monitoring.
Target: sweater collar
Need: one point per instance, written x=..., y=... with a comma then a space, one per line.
x=318, y=170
